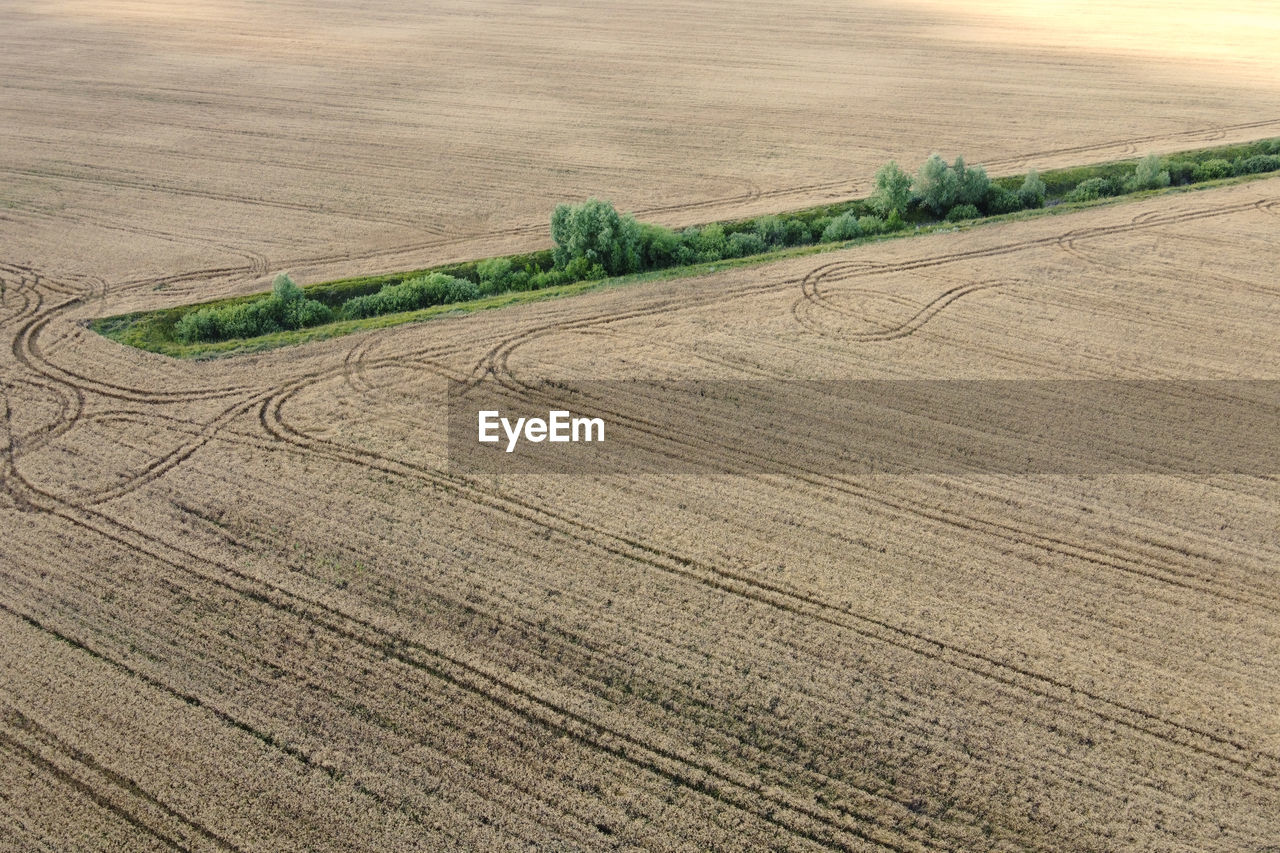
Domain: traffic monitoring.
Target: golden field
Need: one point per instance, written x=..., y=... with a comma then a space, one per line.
x=246, y=605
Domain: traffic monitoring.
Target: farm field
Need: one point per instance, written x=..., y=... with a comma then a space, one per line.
x=246, y=604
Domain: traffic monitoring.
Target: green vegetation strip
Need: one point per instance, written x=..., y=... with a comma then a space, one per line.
x=595, y=246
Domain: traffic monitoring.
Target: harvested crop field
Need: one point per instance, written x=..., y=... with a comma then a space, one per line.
x=247, y=604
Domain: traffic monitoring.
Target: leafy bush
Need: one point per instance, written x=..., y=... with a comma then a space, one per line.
x=745, y=243
x=594, y=230
x=1032, y=192
x=708, y=243
x=309, y=313
x=659, y=247
x=1148, y=175
x=972, y=181
x=796, y=233
x=771, y=230
x=1212, y=170
x=843, y=227
x=1257, y=164
x=420, y=292
x=286, y=308
x=871, y=224
x=203, y=324
x=1180, y=172
x=1091, y=189
x=935, y=185
x=1001, y=200
x=893, y=190
x=494, y=274
x=942, y=187
x=963, y=211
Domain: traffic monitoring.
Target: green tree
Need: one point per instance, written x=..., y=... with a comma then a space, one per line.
x=935, y=185
x=594, y=230
x=893, y=190
x=843, y=227
x=972, y=183
x=1148, y=175
x=1212, y=170
x=1032, y=191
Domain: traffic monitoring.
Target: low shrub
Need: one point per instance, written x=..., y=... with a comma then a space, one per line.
x=1001, y=200
x=1212, y=170
x=843, y=227
x=286, y=308
x=420, y=292
x=1148, y=175
x=745, y=243
x=708, y=243
x=1257, y=164
x=1181, y=172
x=771, y=230
x=1091, y=189
x=659, y=247
x=1032, y=192
x=494, y=274
x=963, y=211
x=871, y=224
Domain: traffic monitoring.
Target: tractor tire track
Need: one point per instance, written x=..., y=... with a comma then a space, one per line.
x=692, y=773
x=1190, y=737
x=39, y=742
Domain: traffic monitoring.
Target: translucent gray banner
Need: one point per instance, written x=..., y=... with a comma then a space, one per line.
x=1078, y=427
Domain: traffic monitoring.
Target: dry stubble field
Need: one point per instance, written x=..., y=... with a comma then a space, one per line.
x=245, y=606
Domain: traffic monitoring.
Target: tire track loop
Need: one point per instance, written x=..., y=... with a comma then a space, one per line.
x=159, y=466
x=832, y=271
x=739, y=790
x=495, y=364
x=39, y=741
x=1253, y=765
x=852, y=270
x=70, y=408
x=1160, y=271
x=26, y=350
x=801, y=310
x=25, y=289
x=1133, y=563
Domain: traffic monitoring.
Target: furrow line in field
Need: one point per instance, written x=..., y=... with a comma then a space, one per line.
x=692, y=773
x=41, y=741
x=1183, y=735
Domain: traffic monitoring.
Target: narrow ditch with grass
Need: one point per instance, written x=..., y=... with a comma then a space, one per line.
x=596, y=246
